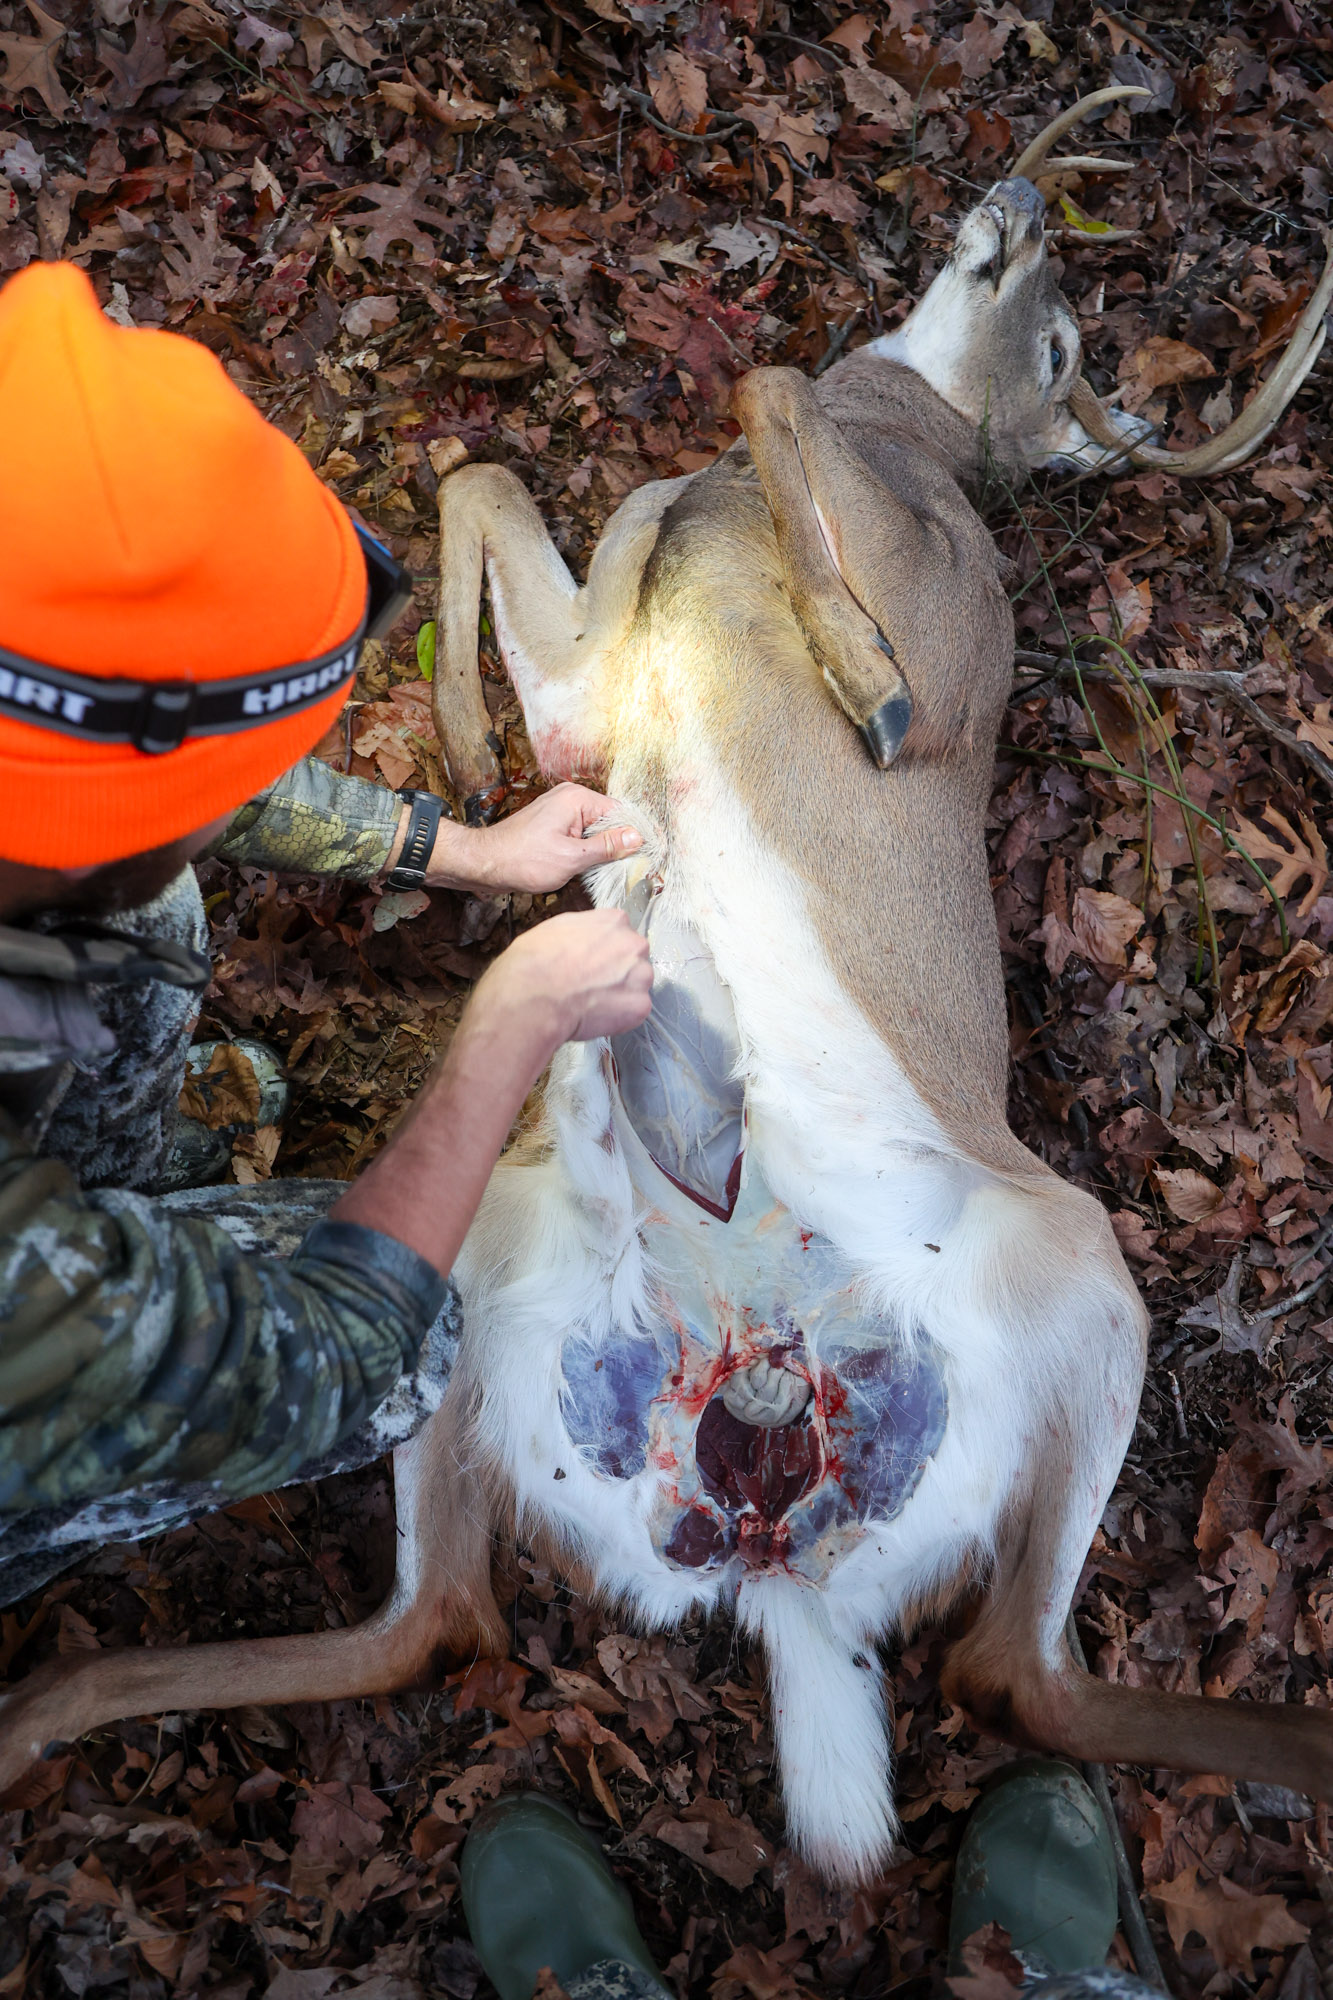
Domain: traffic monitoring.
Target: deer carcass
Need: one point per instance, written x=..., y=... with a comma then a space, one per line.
x=772, y=1310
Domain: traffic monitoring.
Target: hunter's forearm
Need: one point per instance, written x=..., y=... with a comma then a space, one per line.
x=425, y=1187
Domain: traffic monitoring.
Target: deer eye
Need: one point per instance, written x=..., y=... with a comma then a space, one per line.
x=1057, y=358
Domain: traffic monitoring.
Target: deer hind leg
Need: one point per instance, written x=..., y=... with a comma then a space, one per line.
x=440, y=1606
x=1014, y=1674
x=894, y=604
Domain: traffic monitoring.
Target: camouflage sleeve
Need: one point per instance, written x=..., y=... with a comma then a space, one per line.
x=137, y=1344
x=314, y=821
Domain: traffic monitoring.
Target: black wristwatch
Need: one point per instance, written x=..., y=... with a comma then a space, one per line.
x=410, y=869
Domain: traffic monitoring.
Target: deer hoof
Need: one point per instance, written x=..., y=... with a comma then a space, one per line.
x=765, y=1395
x=883, y=732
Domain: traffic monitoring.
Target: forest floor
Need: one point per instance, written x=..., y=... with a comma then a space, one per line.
x=552, y=236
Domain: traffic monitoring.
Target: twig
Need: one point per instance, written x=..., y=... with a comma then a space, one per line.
x=1220, y=682
x=1146, y=1962
x=819, y=48
x=1129, y=26
x=837, y=341
x=794, y=235
x=733, y=122
x=1320, y=1279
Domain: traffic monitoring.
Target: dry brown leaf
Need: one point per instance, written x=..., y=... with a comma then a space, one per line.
x=1232, y=1923
x=225, y=1093
x=1252, y=1568
x=878, y=97
x=547, y=1986
x=764, y=1975
x=446, y=455
x=1158, y=363
x=1190, y=1195
x=679, y=90
x=727, y=1844
x=30, y=62
x=1299, y=856
x=1103, y=925
x=1304, y=964
x=459, y=1799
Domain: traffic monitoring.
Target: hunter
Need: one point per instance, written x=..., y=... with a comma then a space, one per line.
x=182, y=607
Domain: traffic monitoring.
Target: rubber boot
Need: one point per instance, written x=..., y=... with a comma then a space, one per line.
x=537, y=1891
x=1037, y=1857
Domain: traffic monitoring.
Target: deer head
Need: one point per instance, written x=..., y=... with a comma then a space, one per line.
x=996, y=340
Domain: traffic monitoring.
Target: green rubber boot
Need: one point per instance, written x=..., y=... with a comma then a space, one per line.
x=1037, y=1857
x=537, y=1891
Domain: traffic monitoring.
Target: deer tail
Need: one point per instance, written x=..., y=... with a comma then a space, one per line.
x=830, y=1721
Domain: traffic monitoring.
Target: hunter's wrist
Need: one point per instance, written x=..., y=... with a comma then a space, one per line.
x=458, y=858
x=523, y=1019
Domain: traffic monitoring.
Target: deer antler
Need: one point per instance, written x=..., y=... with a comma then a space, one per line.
x=1232, y=446
x=1034, y=156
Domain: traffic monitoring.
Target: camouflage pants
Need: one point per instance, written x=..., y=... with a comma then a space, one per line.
x=268, y=1220
x=611, y=1979
x=113, y=1127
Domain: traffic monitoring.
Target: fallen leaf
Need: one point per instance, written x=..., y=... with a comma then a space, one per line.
x=459, y=1799
x=369, y=314
x=1299, y=857
x=878, y=97
x=726, y=1844
x=1103, y=925
x=679, y=90
x=225, y=1092
x=1157, y=364
x=1190, y=1195
x=1232, y=1922
x=30, y=62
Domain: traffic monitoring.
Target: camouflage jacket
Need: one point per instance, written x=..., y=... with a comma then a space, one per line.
x=140, y=1343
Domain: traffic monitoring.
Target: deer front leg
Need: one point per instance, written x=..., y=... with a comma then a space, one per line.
x=809, y=481
x=489, y=528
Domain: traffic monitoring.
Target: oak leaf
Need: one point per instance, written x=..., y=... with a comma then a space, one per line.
x=1232, y=1923
x=401, y=212
x=135, y=71
x=30, y=62
x=1298, y=855
x=204, y=266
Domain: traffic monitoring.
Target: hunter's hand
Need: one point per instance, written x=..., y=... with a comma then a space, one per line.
x=538, y=849
x=574, y=978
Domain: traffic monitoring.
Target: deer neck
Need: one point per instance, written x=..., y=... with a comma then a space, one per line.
x=877, y=389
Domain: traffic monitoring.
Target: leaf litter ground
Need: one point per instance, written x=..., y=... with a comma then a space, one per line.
x=552, y=237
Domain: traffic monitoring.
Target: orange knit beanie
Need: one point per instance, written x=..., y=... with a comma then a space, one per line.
x=158, y=540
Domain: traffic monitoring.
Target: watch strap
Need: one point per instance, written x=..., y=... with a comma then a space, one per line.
x=423, y=824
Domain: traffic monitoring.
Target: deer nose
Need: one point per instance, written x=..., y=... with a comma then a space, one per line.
x=1024, y=211
x=1021, y=196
